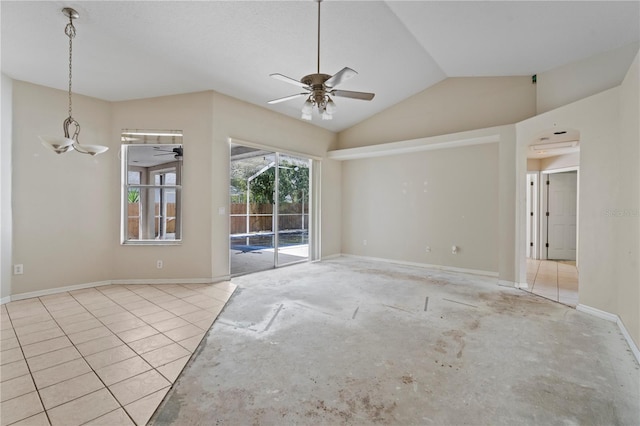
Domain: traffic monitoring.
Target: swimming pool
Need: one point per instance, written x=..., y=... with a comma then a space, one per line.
x=266, y=240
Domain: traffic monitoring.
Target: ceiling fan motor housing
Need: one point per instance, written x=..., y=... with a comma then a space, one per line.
x=318, y=89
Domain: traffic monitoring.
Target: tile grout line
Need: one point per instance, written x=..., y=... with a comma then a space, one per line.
x=83, y=357
x=35, y=386
x=91, y=367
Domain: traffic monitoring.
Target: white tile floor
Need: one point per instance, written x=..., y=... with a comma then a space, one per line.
x=100, y=356
x=553, y=280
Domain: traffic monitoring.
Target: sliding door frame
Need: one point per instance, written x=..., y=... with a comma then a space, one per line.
x=314, y=198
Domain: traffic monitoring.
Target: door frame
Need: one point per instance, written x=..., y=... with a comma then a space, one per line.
x=542, y=223
x=314, y=198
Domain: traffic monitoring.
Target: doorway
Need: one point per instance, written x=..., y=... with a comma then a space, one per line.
x=269, y=209
x=552, y=270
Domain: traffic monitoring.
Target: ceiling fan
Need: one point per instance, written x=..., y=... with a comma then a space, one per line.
x=321, y=87
x=176, y=152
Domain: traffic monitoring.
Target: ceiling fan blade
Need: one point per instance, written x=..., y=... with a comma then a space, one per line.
x=343, y=75
x=288, y=80
x=287, y=98
x=364, y=96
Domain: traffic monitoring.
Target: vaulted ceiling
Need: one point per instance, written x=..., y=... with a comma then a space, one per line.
x=138, y=49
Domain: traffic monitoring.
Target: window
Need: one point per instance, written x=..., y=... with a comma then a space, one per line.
x=152, y=185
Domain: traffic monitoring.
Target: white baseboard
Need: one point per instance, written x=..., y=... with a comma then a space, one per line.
x=172, y=281
x=513, y=284
x=425, y=265
x=613, y=318
x=56, y=290
x=331, y=256
x=597, y=313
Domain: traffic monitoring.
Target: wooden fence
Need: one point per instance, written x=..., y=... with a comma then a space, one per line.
x=133, y=212
x=261, y=217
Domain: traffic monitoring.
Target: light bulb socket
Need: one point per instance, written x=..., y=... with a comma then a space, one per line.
x=57, y=144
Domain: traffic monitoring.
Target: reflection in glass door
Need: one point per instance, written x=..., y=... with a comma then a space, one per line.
x=293, y=209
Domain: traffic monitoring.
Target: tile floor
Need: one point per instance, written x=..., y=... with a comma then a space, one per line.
x=557, y=281
x=100, y=356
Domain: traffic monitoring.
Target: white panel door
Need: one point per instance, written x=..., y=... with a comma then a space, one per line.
x=532, y=215
x=561, y=222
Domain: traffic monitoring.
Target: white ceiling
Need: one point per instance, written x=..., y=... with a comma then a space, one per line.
x=139, y=49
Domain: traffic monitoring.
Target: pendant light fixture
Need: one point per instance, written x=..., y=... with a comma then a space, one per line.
x=70, y=141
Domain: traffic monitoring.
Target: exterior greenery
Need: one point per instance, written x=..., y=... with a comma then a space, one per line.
x=294, y=183
x=133, y=196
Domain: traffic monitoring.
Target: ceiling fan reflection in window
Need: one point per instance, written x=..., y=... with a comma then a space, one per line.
x=176, y=152
x=321, y=87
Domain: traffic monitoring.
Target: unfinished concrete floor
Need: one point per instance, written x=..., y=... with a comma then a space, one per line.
x=349, y=341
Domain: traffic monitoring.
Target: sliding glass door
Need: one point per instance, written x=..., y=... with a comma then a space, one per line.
x=293, y=209
x=269, y=209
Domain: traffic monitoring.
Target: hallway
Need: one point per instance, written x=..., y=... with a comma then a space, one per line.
x=554, y=280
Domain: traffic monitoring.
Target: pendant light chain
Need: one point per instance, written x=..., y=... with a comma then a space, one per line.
x=70, y=31
x=70, y=141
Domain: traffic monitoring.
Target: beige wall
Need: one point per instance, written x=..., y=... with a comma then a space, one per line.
x=597, y=120
x=63, y=212
x=553, y=163
x=626, y=217
x=569, y=83
x=331, y=205
x=533, y=164
x=560, y=161
x=609, y=221
x=400, y=204
x=66, y=208
x=451, y=106
x=6, y=240
x=190, y=113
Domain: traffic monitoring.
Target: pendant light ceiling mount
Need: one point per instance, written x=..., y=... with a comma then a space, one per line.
x=70, y=13
x=70, y=142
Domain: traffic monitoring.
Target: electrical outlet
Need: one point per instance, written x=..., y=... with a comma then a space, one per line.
x=364, y=242
x=159, y=264
x=18, y=269
x=428, y=249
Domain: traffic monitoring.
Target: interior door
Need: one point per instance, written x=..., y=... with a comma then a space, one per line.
x=532, y=216
x=561, y=215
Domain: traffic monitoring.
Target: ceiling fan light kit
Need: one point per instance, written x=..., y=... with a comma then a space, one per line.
x=69, y=142
x=320, y=88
